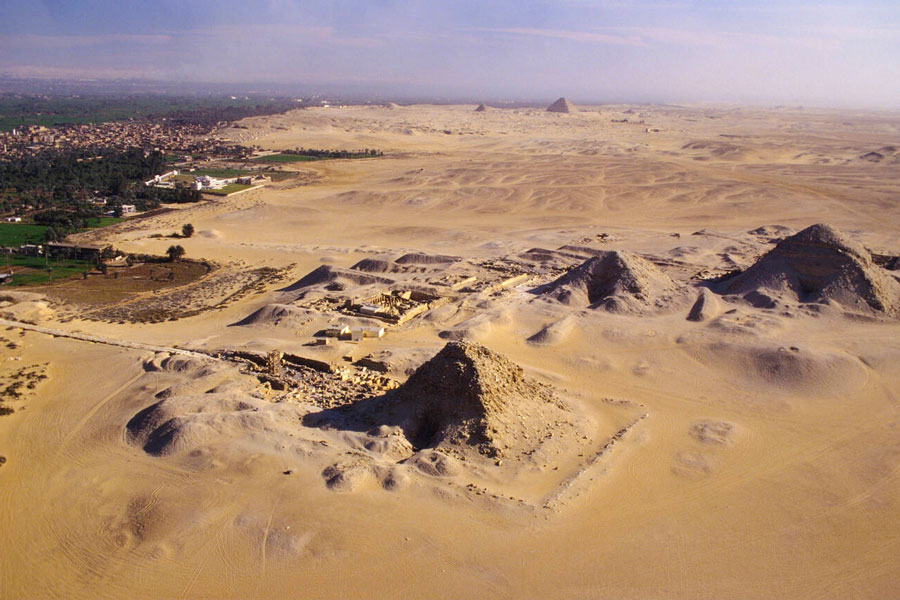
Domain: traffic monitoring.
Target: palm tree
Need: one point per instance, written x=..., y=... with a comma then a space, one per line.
x=175, y=253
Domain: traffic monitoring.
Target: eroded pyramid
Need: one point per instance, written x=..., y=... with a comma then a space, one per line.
x=617, y=281
x=821, y=264
x=468, y=396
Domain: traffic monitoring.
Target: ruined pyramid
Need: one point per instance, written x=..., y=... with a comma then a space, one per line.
x=820, y=264
x=617, y=281
x=469, y=397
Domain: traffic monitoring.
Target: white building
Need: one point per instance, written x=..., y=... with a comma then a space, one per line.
x=338, y=330
x=13, y=219
x=128, y=209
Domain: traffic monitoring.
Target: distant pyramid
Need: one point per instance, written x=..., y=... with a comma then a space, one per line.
x=481, y=108
x=562, y=106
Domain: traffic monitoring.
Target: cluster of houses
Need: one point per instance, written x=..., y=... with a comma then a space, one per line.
x=29, y=139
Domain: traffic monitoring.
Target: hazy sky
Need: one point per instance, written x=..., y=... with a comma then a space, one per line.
x=837, y=52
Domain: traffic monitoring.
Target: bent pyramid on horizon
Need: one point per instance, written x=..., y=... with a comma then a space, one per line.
x=481, y=108
x=562, y=106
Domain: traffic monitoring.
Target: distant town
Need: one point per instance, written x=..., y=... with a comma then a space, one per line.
x=64, y=169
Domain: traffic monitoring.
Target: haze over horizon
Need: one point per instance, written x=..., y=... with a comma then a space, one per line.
x=829, y=53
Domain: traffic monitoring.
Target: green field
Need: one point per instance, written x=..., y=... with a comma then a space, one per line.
x=36, y=269
x=228, y=189
x=15, y=234
x=103, y=222
x=284, y=158
x=219, y=173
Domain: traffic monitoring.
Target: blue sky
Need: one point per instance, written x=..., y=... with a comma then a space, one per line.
x=791, y=51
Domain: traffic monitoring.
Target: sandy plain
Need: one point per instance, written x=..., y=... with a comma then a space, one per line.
x=760, y=459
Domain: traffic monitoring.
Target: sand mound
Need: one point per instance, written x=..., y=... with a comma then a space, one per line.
x=420, y=258
x=709, y=431
x=772, y=233
x=716, y=149
x=481, y=108
x=177, y=363
x=784, y=370
x=554, y=333
x=347, y=477
x=820, y=264
x=706, y=307
x=327, y=274
x=475, y=327
x=562, y=105
x=24, y=306
x=376, y=265
x=616, y=281
x=435, y=464
x=276, y=314
x=183, y=423
x=469, y=396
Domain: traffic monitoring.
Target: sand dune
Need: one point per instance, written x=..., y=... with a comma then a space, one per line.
x=620, y=359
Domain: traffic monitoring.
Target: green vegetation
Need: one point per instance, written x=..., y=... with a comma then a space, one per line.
x=175, y=253
x=64, y=174
x=97, y=222
x=13, y=235
x=284, y=158
x=59, y=186
x=219, y=173
x=308, y=154
x=228, y=189
x=20, y=110
x=33, y=270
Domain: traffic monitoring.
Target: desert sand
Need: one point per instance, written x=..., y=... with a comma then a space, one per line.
x=629, y=352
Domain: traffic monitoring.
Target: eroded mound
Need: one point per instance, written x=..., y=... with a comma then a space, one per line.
x=374, y=265
x=327, y=274
x=179, y=424
x=420, y=258
x=820, y=264
x=468, y=395
x=616, y=281
x=275, y=314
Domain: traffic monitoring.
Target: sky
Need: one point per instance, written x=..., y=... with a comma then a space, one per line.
x=822, y=52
